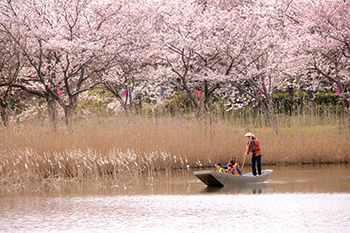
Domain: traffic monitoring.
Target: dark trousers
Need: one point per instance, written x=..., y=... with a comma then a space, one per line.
x=256, y=161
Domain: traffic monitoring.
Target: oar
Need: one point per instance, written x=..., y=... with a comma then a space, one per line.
x=243, y=161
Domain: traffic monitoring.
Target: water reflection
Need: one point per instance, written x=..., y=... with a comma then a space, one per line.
x=239, y=189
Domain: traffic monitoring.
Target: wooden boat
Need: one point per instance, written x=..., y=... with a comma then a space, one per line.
x=217, y=179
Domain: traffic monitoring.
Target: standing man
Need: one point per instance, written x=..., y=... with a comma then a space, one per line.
x=254, y=147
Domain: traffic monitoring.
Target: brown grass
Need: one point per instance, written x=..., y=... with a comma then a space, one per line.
x=120, y=149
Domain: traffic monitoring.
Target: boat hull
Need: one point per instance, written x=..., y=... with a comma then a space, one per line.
x=217, y=179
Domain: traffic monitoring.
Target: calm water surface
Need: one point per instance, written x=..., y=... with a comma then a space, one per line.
x=294, y=199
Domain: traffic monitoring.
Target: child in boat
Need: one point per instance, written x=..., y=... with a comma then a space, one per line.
x=230, y=169
x=233, y=168
x=219, y=168
x=237, y=170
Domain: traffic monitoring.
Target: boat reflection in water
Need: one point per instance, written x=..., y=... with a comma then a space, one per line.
x=239, y=189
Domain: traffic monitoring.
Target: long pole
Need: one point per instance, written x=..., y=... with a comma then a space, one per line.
x=243, y=161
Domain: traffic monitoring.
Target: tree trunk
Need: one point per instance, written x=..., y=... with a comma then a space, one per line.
x=68, y=113
x=206, y=96
x=4, y=115
x=291, y=91
x=312, y=102
x=52, y=109
x=255, y=110
x=6, y=107
x=347, y=119
x=269, y=111
x=346, y=108
x=272, y=118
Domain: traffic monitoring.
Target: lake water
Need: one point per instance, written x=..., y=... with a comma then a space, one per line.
x=309, y=198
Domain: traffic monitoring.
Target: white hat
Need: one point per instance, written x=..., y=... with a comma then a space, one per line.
x=249, y=134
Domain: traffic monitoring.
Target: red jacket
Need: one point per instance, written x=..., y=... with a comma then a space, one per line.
x=256, y=145
x=230, y=171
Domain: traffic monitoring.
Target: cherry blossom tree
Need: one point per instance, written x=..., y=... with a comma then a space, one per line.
x=232, y=49
x=187, y=38
x=130, y=74
x=10, y=66
x=236, y=47
x=322, y=43
x=253, y=46
x=64, y=43
x=129, y=85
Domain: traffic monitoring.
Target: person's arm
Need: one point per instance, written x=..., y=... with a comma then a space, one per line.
x=239, y=170
x=247, y=149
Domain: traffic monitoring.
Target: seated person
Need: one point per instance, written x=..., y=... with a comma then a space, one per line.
x=219, y=168
x=230, y=169
x=237, y=170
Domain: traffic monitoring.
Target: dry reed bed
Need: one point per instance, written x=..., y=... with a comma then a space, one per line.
x=22, y=168
x=121, y=149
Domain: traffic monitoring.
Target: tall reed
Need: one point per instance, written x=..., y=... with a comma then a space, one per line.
x=121, y=149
